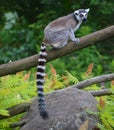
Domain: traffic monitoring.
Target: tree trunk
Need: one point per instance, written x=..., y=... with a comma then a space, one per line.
x=67, y=111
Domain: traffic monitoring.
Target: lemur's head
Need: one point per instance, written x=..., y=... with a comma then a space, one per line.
x=81, y=14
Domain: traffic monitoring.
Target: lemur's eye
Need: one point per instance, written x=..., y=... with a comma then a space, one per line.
x=76, y=13
x=81, y=15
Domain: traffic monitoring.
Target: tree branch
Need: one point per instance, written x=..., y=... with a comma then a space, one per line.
x=17, y=124
x=94, y=80
x=27, y=63
x=15, y=110
x=102, y=92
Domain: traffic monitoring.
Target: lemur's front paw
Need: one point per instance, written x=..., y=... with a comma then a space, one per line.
x=77, y=40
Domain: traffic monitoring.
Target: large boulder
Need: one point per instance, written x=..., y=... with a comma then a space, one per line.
x=67, y=111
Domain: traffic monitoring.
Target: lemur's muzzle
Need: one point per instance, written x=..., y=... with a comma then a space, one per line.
x=84, y=20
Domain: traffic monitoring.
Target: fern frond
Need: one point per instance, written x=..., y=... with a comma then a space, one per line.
x=71, y=77
x=4, y=112
x=92, y=112
x=100, y=126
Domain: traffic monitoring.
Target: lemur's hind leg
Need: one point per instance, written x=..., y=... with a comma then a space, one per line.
x=59, y=45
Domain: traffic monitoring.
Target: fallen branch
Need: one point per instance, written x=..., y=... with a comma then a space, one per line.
x=94, y=80
x=27, y=63
x=102, y=92
x=15, y=110
x=18, y=124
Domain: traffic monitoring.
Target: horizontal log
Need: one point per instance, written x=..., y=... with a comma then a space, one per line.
x=29, y=62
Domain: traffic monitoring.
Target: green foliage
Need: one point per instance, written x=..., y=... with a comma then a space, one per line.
x=73, y=79
x=106, y=109
x=17, y=40
x=92, y=112
x=55, y=81
x=17, y=94
x=107, y=113
x=13, y=52
x=84, y=30
x=100, y=126
x=4, y=112
x=112, y=65
x=15, y=89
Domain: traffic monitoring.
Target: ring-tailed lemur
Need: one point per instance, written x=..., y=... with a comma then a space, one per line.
x=56, y=34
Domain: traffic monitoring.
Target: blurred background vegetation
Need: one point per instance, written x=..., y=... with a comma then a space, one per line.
x=22, y=23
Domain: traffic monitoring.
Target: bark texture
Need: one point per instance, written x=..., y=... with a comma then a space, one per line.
x=27, y=63
x=67, y=111
x=103, y=92
x=15, y=110
x=94, y=80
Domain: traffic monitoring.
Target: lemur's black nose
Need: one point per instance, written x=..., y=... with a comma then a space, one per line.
x=85, y=19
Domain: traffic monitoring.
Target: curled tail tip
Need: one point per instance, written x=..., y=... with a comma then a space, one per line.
x=44, y=114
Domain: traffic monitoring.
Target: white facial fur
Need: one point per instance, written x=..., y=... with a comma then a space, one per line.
x=81, y=14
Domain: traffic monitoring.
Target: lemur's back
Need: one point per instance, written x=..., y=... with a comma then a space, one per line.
x=57, y=30
x=60, y=22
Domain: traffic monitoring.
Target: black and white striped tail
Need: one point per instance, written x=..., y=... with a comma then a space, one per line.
x=40, y=81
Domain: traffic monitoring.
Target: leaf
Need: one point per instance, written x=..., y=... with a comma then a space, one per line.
x=52, y=84
x=104, y=118
x=112, y=83
x=91, y=112
x=4, y=112
x=89, y=69
x=53, y=70
x=64, y=77
x=56, y=84
x=27, y=76
x=65, y=80
x=84, y=126
x=19, y=73
x=102, y=102
x=46, y=76
x=100, y=127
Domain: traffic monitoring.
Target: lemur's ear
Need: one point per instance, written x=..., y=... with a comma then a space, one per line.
x=87, y=10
